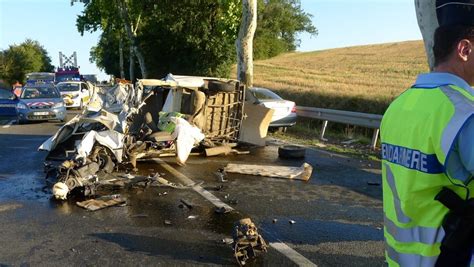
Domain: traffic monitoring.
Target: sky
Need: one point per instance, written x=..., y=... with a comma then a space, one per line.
x=340, y=23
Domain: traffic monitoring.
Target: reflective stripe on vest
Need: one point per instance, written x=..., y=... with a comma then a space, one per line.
x=463, y=110
x=426, y=235
x=410, y=260
x=401, y=216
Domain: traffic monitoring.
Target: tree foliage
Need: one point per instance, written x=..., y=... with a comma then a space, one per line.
x=190, y=37
x=18, y=60
x=278, y=24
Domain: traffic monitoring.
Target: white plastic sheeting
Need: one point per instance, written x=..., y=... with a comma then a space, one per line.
x=187, y=136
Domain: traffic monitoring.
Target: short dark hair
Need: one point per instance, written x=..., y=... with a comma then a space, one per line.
x=446, y=39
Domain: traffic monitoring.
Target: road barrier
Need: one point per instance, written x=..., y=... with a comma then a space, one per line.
x=341, y=116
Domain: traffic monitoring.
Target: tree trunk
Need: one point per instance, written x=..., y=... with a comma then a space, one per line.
x=428, y=22
x=133, y=42
x=244, y=43
x=122, y=70
x=132, y=65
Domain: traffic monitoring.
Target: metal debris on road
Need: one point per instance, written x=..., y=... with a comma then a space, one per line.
x=186, y=203
x=102, y=202
x=248, y=243
x=221, y=174
x=167, y=222
x=292, y=221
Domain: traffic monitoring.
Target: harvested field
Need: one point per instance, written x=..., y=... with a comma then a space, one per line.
x=362, y=78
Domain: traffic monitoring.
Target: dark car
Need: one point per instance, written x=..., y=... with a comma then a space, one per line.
x=8, y=103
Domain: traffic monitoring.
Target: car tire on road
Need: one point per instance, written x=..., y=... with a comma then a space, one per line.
x=218, y=86
x=291, y=152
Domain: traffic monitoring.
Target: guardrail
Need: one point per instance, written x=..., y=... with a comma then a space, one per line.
x=347, y=117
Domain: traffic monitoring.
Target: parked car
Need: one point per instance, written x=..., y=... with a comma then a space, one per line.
x=40, y=102
x=8, y=103
x=76, y=94
x=284, y=110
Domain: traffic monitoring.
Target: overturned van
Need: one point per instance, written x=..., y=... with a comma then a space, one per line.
x=154, y=118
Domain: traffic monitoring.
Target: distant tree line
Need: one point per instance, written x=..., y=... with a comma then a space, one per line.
x=185, y=37
x=18, y=60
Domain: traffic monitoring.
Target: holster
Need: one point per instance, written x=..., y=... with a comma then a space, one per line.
x=458, y=224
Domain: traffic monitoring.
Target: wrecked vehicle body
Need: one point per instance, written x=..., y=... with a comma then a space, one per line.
x=168, y=117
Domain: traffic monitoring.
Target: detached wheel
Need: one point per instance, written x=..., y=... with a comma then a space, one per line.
x=219, y=86
x=291, y=152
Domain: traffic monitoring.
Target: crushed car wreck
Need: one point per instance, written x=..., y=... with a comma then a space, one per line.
x=152, y=119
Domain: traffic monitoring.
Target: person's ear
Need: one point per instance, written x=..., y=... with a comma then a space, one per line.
x=464, y=49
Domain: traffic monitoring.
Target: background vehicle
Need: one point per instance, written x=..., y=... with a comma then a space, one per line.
x=42, y=77
x=8, y=102
x=75, y=94
x=40, y=102
x=284, y=110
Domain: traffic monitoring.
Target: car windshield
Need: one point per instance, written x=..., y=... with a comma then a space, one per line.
x=68, y=87
x=39, y=92
x=5, y=94
x=264, y=94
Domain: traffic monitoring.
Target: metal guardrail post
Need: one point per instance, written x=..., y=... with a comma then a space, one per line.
x=323, y=130
x=374, y=138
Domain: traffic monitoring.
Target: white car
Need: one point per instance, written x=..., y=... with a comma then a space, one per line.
x=284, y=110
x=75, y=94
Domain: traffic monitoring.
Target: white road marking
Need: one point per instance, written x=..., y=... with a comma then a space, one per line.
x=186, y=181
x=281, y=247
x=291, y=254
x=8, y=124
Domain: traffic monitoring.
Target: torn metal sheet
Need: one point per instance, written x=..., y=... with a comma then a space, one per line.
x=248, y=243
x=102, y=202
x=297, y=173
x=111, y=139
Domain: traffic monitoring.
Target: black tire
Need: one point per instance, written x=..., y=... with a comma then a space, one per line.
x=291, y=152
x=219, y=86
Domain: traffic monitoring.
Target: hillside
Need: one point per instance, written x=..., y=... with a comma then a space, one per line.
x=361, y=78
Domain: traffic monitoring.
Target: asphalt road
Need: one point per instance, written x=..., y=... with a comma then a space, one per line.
x=337, y=213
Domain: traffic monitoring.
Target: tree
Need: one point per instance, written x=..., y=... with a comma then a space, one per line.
x=244, y=43
x=279, y=22
x=18, y=60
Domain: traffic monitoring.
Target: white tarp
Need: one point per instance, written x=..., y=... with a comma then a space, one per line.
x=186, y=137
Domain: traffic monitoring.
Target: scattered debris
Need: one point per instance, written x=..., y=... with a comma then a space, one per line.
x=274, y=220
x=373, y=183
x=223, y=150
x=221, y=174
x=139, y=216
x=297, y=173
x=187, y=204
x=227, y=241
x=248, y=244
x=351, y=141
x=163, y=194
x=291, y=222
x=102, y=202
x=192, y=217
x=167, y=222
x=222, y=210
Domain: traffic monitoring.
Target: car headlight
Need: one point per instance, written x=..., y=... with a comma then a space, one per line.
x=59, y=105
x=21, y=106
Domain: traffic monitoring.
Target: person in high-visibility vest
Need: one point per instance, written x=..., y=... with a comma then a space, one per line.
x=427, y=137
